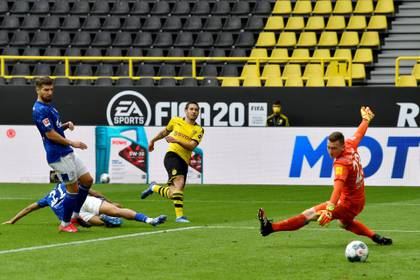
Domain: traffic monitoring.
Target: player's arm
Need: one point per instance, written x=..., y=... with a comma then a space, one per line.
x=367, y=115
x=57, y=138
x=68, y=125
x=162, y=134
x=22, y=213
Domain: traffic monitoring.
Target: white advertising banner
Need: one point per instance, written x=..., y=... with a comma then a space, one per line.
x=253, y=155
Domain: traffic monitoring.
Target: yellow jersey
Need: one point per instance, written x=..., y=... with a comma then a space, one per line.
x=183, y=131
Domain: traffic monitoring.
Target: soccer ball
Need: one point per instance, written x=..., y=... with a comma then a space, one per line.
x=104, y=179
x=357, y=251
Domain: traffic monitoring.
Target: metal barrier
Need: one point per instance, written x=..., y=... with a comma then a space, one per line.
x=258, y=61
x=397, y=65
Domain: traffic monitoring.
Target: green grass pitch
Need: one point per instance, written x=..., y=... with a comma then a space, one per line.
x=222, y=242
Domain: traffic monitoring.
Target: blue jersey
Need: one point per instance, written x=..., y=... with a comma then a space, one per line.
x=46, y=118
x=55, y=200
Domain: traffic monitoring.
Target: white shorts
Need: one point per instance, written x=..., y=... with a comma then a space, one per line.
x=90, y=208
x=69, y=168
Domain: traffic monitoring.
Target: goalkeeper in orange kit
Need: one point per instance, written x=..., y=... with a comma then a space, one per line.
x=348, y=197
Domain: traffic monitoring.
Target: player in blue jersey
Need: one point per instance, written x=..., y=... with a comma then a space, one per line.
x=96, y=210
x=60, y=156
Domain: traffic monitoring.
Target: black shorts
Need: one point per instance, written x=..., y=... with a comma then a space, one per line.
x=175, y=165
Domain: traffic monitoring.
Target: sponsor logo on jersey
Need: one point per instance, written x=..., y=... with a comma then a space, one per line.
x=46, y=122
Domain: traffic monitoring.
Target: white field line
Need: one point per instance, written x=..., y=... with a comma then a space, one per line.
x=11, y=251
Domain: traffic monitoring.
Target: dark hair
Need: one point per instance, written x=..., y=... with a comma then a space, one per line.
x=191, y=102
x=336, y=136
x=277, y=103
x=43, y=81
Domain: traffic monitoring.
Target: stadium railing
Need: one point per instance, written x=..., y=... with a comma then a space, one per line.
x=407, y=80
x=258, y=61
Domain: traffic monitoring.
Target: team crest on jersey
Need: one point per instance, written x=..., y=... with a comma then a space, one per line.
x=46, y=122
x=174, y=172
x=339, y=170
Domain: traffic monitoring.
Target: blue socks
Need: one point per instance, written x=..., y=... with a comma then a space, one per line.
x=141, y=217
x=80, y=199
x=69, y=203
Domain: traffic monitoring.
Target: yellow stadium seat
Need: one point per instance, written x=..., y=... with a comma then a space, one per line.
x=230, y=82
x=282, y=54
x=292, y=70
x=274, y=23
x=282, y=7
x=315, y=23
x=416, y=71
x=384, y=7
x=257, y=52
x=336, y=81
x=407, y=81
x=323, y=7
x=336, y=23
x=295, y=23
x=294, y=81
x=349, y=39
x=314, y=81
x=363, y=56
x=273, y=82
x=358, y=71
x=357, y=23
x=363, y=7
x=321, y=53
x=287, y=39
x=266, y=39
x=307, y=39
x=328, y=39
x=302, y=7
x=300, y=54
x=370, y=39
x=335, y=69
x=343, y=53
x=378, y=22
x=251, y=81
x=343, y=7
x=250, y=70
x=271, y=70
x=313, y=70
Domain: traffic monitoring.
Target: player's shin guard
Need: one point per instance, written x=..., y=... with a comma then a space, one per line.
x=69, y=203
x=163, y=191
x=178, y=200
x=359, y=229
x=293, y=223
x=80, y=199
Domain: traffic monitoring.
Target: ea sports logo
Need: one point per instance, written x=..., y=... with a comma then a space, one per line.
x=128, y=108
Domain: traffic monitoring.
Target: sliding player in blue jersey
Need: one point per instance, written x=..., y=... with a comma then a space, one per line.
x=96, y=210
x=60, y=156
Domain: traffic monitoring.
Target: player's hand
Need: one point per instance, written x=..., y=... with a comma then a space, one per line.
x=78, y=145
x=151, y=146
x=170, y=139
x=367, y=113
x=69, y=125
x=325, y=218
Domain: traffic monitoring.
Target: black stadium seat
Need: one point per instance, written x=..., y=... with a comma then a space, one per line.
x=92, y=23
x=51, y=23
x=71, y=23
x=20, y=7
x=100, y=7
x=101, y=39
x=61, y=7
x=40, y=7
x=10, y=22
x=140, y=8
x=20, y=38
x=131, y=24
x=31, y=23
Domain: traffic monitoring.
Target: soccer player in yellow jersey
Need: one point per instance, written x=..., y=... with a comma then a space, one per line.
x=183, y=135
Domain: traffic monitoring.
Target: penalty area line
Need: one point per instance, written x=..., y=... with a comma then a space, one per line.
x=3, y=252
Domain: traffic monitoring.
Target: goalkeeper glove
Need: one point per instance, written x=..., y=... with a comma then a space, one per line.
x=326, y=215
x=367, y=113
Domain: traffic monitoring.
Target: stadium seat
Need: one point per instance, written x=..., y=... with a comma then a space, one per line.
x=113, y=52
x=93, y=52
x=80, y=8
x=233, y=24
x=175, y=52
x=4, y=38
x=224, y=40
x=120, y=8
x=185, y=70
x=152, y=24
x=51, y=22
x=370, y=39
x=314, y=81
x=237, y=52
x=143, y=39
x=266, y=39
x=258, y=52
x=406, y=81
x=281, y=55
x=300, y=55
x=20, y=7
x=21, y=69
x=184, y=39
x=271, y=70
x=83, y=69
x=131, y=24
x=213, y=23
x=82, y=39
x=416, y=71
x=240, y=8
x=31, y=51
x=357, y=23
x=221, y=8
x=328, y=39
x=250, y=70
x=322, y=7
x=384, y=7
x=204, y=39
x=358, y=71
x=349, y=39
x=172, y=24
x=111, y=23
x=71, y=23
x=20, y=38
x=245, y=39
x=92, y=23
x=363, y=7
x=343, y=53
x=262, y=7
x=100, y=8
x=336, y=81
x=134, y=52
x=82, y=82
x=210, y=82
x=40, y=7
x=145, y=82
x=294, y=81
x=163, y=39
x=307, y=39
x=343, y=7
x=31, y=22
x=188, y=82
x=166, y=82
x=59, y=70
x=292, y=70
x=302, y=7
x=103, y=82
x=321, y=53
x=40, y=38
x=315, y=23
x=282, y=7
x=378, y=22
x=61, y=7
x=201, y=8
x=336, y=22
x=313, y=70
x=274, y=23
x=363, y=56
x=122, y=39
x=251, y=81
x=230, y=82
x=208, y=70
x=286, y=39
x=229, y=70
x=104, y=70
x=145, y=70
x=124, y=82
x=334, y=69
x=41, y=70
x=18, y=82
x=295, y=23
x=254, y=23
x=11, y=51
x=10, y=22
x=193, y=23
x=160, y=8
x=273, y=82
x=4, y=7
x=52, y=52
x=181, y=8
x=139, y=8
x=61, y=82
